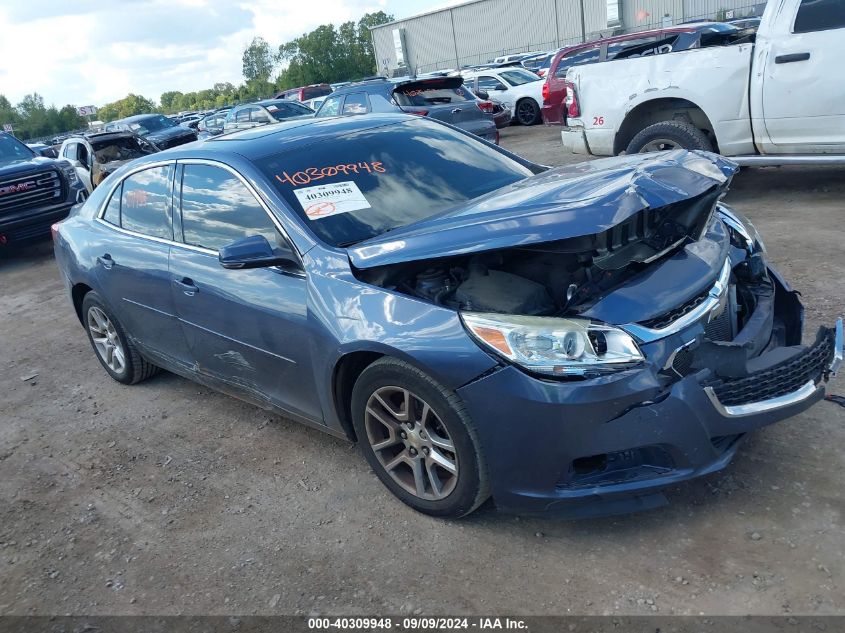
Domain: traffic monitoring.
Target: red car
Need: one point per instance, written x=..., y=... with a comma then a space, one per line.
x=304, y=93
x=554, y=89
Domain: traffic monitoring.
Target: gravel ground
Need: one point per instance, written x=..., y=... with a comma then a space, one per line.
x=169, y=498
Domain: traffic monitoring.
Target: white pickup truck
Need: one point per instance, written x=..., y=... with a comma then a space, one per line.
x=776, y=101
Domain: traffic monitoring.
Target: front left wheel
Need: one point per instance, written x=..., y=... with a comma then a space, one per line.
x=419, y=439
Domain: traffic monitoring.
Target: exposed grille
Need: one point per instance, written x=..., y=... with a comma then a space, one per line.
x=674, y=314
x=38, y=189
x=781, y=379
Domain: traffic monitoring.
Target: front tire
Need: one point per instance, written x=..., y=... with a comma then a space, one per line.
x=668, y=135
x=116, y=353
x=419, y=439
x=528, y=112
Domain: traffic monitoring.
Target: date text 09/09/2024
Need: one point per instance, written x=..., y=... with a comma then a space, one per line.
x=417, y=623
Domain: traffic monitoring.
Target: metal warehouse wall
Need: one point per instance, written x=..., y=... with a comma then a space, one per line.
x=480, y=30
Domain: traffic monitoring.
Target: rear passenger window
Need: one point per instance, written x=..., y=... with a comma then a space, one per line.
x=112, y=214
x=218, y=209
x=819, y=15
x=355, y=104
x=145, y=202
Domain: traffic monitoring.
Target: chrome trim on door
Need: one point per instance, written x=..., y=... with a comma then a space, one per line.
x=763, y=406
x=710, y=308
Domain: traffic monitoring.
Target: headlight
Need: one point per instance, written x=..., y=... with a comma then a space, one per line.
x=558, y=347
x=742, y=230
x=70, y=174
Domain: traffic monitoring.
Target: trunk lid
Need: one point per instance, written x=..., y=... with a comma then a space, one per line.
x=561, y=203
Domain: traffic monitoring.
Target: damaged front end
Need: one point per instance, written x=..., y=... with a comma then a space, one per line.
x=635, y=318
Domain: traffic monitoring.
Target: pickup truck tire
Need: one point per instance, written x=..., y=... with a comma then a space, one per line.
x=668, y=135
x=527, y=112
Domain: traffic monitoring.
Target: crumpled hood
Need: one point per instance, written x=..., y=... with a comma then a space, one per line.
x=561, y=203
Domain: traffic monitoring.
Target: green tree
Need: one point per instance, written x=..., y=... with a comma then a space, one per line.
x=168, y=99
x=130, y=105
x=329, y=55
x=257, y=61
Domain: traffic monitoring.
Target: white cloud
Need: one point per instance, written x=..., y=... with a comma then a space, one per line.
x=92, y=52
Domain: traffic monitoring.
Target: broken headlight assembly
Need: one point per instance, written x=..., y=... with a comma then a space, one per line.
x=743, y=233
x=554, y=346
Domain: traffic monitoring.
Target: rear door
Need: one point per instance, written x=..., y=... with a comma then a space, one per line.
x=803, y=90
x=132, y=261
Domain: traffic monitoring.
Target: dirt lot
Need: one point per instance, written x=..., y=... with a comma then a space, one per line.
x=169, y=498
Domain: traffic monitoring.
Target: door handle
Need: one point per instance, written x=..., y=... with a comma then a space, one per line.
x=794, y=57
x=105, y=261
x=187, y=286
x=457, y=111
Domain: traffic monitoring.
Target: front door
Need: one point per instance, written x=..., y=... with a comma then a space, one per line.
x=246, y=328
x=803, y=91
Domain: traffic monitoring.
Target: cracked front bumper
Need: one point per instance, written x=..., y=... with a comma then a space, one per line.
x=609, y=444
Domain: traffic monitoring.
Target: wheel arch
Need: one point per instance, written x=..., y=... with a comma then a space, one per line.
x=77, y=294
x=653, y=111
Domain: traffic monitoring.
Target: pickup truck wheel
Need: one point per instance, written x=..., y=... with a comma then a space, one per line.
x=527, y=112
x=668, y=135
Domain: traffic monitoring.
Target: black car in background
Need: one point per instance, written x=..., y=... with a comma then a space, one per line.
x=157, y=128
x=442, y=98
x=249, y=115
x=35, y=192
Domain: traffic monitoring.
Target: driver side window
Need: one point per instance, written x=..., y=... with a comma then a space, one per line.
x=218, y=209
x=487, y=83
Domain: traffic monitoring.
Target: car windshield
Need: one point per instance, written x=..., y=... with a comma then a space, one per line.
x=282, y=110
x=383, y=178
x=518, y=76
x=151, y=124
x=125, y=148
x=13, y=151
x=417, y=94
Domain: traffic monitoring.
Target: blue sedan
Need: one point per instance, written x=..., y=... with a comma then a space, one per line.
x=567, y=340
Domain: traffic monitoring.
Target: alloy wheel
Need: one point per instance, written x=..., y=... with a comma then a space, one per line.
x=106, y=341
x=659, y=145
x=525, y=113
x=411, y=443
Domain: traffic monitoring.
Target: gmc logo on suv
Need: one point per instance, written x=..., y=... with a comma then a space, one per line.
x=21, y=186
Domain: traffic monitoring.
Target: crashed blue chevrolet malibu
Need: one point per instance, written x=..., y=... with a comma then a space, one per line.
x=567, y=340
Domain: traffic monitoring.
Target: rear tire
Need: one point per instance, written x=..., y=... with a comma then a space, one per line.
x=528, y=112
x=668, y=135
x=116, y=353
x=418, y=438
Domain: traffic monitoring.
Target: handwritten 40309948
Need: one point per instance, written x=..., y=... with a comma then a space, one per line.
x=313, y=174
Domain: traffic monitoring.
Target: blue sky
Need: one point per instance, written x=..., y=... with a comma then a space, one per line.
x=86, y=52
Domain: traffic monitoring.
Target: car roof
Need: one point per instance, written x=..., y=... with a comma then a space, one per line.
x=257, y=142
x=137, y=117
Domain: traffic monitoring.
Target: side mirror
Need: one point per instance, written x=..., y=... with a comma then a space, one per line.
x=254, y=252
x=500, y=87
x=482, y=94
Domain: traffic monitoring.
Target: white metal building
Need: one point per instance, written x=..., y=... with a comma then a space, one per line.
x=479, y=30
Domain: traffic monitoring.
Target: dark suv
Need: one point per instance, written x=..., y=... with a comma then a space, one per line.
x=442, y=98
x=156, y=128
x=35, y=192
